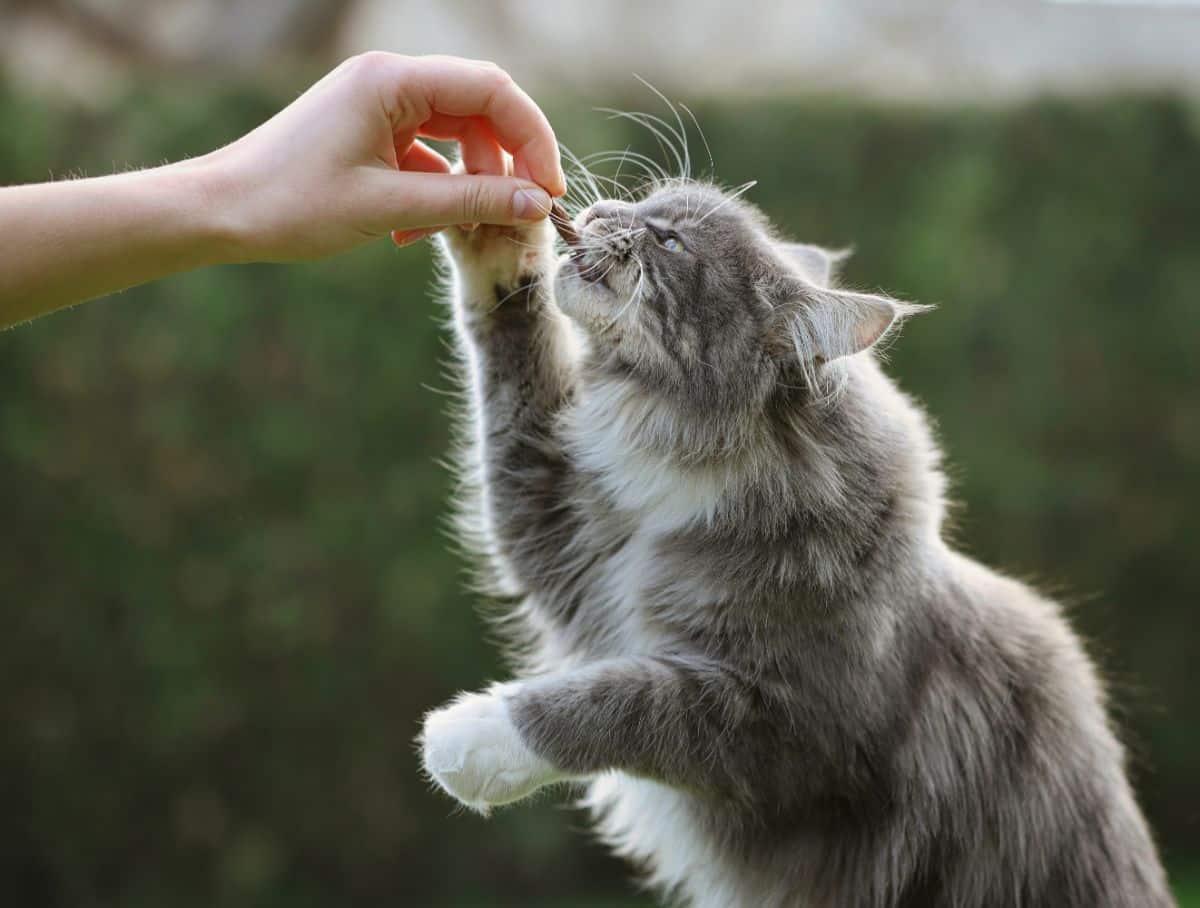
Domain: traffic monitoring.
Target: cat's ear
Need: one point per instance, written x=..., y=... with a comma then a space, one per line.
x=819, y=265
x=817, y=324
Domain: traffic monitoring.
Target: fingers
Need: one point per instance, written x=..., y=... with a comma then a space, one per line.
x=422, y=200
x=464, y=88
x=481, y=153
x=421, y=158
x=408, y=237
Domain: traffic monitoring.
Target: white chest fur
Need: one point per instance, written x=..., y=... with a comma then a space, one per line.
x=605, y=431
x=652, y=495
x=653, y=825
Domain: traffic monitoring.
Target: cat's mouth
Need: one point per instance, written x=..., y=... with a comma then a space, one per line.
x=587, y=263
x=590, y=266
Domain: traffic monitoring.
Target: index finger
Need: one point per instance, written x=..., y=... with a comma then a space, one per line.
x=464, y=88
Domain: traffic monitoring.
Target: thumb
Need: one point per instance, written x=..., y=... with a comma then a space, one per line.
x=435, y=199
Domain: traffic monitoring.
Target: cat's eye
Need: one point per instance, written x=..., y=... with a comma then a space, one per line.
x=664, y=235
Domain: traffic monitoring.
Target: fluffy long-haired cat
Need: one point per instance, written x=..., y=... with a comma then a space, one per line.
x=721, y=526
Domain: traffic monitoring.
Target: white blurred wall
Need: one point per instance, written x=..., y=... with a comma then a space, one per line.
x=925, y=50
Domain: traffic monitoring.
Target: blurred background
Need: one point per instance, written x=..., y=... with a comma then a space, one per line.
x=226, y=596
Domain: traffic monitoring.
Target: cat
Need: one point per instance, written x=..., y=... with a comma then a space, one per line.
x=739, y=623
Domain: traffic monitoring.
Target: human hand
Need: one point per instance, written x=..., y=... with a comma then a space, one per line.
x=343, y=163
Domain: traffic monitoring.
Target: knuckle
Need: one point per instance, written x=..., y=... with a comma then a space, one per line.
x=500, y=79
x=369, y=62
x=374, y=57
x=474, y=201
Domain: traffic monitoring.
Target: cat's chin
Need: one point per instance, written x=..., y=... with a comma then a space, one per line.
x=590, y=304
x=588, y=273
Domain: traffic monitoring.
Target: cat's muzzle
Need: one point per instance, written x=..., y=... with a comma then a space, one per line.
x=590, y=264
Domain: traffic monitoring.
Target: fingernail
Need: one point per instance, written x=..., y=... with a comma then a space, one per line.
x=530, y=204
x=408, y=237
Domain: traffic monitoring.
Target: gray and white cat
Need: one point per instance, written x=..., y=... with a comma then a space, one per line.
x=741, y=626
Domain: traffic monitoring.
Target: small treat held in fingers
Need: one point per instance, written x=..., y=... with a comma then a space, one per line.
x=562, y=223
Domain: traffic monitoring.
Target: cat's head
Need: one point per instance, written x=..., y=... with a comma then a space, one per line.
x=689, y=293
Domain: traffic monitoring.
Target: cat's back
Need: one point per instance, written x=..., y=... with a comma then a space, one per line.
x=1012, y=741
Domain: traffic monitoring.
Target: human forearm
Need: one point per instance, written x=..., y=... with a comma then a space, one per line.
x=341, y=165
x=74, y=240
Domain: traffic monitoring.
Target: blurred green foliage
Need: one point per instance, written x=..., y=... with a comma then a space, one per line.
x=226, y=594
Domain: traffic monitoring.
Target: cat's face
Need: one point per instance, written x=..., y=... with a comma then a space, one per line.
x=687, y=292
x=666, y=287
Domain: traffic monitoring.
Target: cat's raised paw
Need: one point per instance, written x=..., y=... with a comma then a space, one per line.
x=473, y=751
x=494, y=256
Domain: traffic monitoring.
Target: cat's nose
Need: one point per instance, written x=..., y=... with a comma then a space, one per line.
x=609, y=209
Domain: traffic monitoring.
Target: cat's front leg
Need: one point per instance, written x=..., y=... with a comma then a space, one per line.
x=674, y=719
x=474, y=752
x=516, y=345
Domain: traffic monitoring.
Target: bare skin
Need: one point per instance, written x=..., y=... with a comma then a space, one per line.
x=340, y=166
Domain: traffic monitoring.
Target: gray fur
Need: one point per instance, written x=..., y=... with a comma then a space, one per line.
x=720, y=523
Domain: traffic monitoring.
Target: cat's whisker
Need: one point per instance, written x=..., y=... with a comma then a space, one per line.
x=668, y=137
x=735, y=194
x=504, y=299
x=635, y=296
x=628, y=154
x=651, y=169
x=584, y=170
x=646, y=121
x=576, y=162
x=516, y=242
x=680, y=133
x=620, y=164
x=576, y=198
x=647, y=175
x=617, y=187
x=608, y=259
x=712, y=167
x=623, y=233
x=614, y=183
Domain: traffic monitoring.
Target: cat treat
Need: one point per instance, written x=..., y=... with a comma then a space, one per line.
x=562, y=223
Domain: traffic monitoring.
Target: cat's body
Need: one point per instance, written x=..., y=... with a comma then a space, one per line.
x=722, y=525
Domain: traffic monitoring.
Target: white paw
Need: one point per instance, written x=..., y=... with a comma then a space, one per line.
x=490, y=256
x=473, y=751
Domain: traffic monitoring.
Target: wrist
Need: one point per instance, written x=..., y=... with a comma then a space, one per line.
x=215, y=203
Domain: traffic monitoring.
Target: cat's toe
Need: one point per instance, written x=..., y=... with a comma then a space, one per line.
x=474, y=752
x=495, y=256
